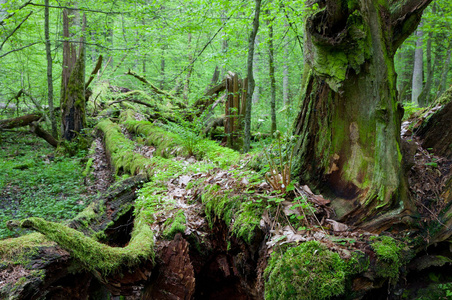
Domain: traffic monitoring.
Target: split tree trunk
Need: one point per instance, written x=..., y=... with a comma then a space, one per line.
x=73, y=118
x=349, y=122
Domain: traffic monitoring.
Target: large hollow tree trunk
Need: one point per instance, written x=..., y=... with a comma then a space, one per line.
x=349, y=122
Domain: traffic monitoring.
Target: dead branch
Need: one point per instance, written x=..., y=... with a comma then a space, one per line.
x=156, y=90
x=95, y=70
x=36, y=129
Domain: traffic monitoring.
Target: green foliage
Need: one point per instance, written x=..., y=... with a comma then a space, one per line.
x=307, y=271
x=410, y=108
x=35, y=183
x=175, y=225
x=389, y=259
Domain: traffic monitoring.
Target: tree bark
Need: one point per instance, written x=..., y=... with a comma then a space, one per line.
x=349, y=121
x=49, y=70
x=271, y=63
x=190, y=61
x=424, y=97
x=251, y=82
x=36, y=129
x=418, y=69
x=286, y=69
x=19, y=121
x=73, y=117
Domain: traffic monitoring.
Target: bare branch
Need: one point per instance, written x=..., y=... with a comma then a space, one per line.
x=18, y=49
x=80, y=9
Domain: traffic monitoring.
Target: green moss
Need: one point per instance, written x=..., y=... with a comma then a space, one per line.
x=388, y=253
x=175, y=225
x=247, y=219
x=89, y=163
x=307, y=271
x=96, y=256
x=19, y=250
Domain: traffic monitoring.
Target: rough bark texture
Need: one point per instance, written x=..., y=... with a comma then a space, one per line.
x=433, y=131
x=349, y=122
x=73, y=118
x=36, y=129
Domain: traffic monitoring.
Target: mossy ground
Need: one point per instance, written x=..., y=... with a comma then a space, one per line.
x=33, y=182
x=307, y=271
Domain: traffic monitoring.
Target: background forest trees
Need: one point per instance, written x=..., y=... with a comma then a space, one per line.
x=177, y=45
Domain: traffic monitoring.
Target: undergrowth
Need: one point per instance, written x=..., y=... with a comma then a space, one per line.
x=35, y=183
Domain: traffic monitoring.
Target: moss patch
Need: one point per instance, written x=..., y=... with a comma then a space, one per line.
x=175, y=225
x=388, y=253
x=308, y=271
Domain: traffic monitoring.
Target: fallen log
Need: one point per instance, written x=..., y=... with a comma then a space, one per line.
x=19, y=121
x=36, y=129
x=432, y=130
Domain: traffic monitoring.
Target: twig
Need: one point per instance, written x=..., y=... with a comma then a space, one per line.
x=18, y=49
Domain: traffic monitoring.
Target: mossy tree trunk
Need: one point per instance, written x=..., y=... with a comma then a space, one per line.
x=73, y=118
x=349, y=121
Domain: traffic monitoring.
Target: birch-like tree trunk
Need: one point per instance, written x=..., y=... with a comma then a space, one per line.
x=251, y=83
x=418, y=70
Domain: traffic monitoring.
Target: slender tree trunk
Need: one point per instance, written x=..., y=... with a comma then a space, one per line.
x=418, y=69
x=349, y=121
x=251, y=83
x=49, y=70
x=443, y=83
x=224, y=46
x=162, y=69
x=271, y=63
x=190, y=68
x=256, y=70
x=424, y=97
x=286, y=69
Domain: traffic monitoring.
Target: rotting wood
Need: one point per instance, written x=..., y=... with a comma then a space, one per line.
x=94, y=72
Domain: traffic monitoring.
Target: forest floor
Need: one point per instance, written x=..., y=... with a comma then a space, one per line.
x=35, y=183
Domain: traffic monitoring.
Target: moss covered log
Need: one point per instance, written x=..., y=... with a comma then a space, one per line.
x=92, y=254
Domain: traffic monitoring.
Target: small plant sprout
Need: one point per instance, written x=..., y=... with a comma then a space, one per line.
x=279, y=175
